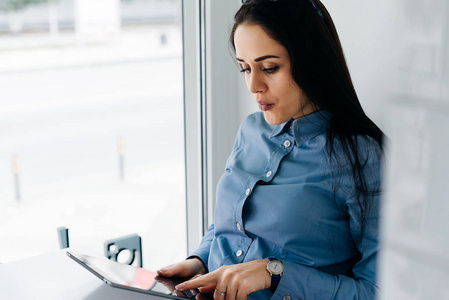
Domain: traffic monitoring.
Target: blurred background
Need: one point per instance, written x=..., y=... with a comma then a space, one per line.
x=92, y=111
x=398, y=54
x=91, y=125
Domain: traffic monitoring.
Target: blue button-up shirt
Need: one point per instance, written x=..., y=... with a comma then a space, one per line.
x=278, y=198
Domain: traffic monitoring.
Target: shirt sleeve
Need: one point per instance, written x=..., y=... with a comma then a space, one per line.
x=301, y=282
x=304, y=282
x=202, y=252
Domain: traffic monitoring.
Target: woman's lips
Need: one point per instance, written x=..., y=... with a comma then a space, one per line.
x=265, y=106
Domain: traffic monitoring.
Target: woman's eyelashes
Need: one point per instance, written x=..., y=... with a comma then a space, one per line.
x=271, y=70
x=266, y=70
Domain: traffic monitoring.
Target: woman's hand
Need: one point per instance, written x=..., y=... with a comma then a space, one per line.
x=186, y=269
x=234, y=281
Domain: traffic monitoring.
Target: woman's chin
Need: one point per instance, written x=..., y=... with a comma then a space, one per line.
x=272, y=119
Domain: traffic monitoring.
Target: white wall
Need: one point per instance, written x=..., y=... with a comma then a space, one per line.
x=415, y=262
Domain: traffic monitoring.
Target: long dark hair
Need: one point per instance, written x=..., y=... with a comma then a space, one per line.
x=319, y=68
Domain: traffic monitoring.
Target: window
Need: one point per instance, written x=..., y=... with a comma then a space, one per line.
x=92, y=126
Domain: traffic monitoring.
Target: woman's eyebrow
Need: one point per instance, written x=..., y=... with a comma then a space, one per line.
x=259, y=58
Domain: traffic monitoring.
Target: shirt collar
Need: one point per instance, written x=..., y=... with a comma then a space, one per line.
x=306, y=127
x=281, y=128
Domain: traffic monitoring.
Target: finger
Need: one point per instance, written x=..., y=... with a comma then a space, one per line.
x=221, y=293
x=241, y=296
x=207, y=289
x=180, y=270
x=168, y=271
x=204, y=280
x=231, y=292
x=204, y=297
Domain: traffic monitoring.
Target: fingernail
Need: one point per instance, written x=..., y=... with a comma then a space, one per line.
x=162, y=270
x=180, y=286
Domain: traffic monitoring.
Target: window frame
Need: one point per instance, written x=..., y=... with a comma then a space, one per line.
x=211, y=106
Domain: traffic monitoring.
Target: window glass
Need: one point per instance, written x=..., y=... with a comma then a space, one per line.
x=91, y=126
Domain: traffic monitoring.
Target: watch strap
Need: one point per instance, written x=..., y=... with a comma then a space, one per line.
x=275, y=279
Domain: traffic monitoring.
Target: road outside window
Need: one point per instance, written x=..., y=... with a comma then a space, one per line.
x=91, y=118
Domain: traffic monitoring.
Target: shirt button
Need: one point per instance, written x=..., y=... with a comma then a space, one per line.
x=269, y=174
x=248, y=191
x=239, y=253
x=286, y=297
x=239, y=227
x=287, y=143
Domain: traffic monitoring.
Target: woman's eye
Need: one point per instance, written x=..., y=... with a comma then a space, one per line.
x=271, y=70
x=266, y=70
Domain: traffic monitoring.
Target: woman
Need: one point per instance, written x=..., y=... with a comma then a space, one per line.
x=297, y=207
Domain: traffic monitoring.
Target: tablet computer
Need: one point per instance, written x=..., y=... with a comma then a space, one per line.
x=132, y=278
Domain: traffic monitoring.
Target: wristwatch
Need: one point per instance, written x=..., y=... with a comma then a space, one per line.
x=275, y=267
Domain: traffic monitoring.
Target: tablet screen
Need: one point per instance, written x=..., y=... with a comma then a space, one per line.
x=131, y=277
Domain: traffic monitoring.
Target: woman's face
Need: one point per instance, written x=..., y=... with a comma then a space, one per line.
x=266, y=64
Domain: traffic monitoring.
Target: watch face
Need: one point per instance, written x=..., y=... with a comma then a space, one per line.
x=276, y=267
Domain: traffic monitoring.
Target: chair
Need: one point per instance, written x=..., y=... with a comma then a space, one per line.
x=131, y=243
x=63, y=237
x=112, y=248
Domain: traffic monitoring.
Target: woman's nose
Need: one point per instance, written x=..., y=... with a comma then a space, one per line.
x=256, y=83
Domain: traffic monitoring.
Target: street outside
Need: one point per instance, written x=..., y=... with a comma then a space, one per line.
x=63, y=109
